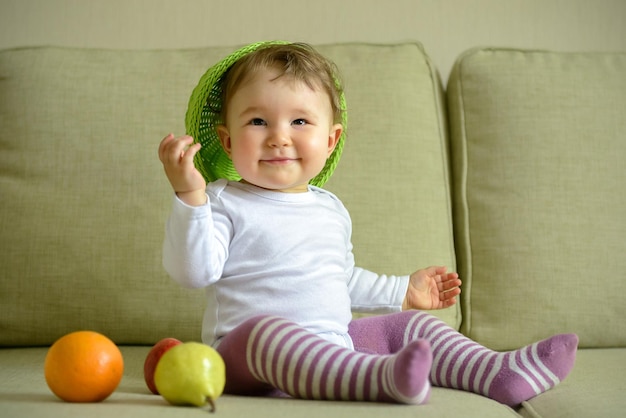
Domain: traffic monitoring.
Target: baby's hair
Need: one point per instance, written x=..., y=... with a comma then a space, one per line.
x=298, y=61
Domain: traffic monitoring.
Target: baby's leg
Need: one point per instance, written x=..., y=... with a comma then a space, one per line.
x=268, y=351
x=461, y=363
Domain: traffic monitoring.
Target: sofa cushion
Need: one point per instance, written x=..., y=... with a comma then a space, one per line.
x=538, y=142
x=84, y=197
x=595, y=388
x=23, y=393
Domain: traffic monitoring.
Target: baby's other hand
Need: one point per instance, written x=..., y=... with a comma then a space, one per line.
x=432, y=288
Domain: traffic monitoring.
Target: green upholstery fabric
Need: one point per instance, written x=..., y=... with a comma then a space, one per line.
x=538, y=142
x=595, y=388
x=84, y=197
x=538, y=186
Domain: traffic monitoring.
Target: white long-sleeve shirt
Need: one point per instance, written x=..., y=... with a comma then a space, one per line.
x=258, y=251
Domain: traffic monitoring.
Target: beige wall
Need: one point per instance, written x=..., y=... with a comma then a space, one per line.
x=445, y=27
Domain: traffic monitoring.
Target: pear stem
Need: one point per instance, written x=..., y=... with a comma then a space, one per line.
x=211, y=404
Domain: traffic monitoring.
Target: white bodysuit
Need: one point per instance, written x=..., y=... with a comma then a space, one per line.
x=264, y=252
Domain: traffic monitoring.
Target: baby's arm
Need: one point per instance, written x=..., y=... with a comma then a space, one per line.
x=374, y=293
x=432, y=288
x=193, y=254
x=176, y=155
x=195, y=247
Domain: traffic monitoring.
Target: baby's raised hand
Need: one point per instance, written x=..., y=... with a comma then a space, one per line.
x=432, y=288
x=176, y=155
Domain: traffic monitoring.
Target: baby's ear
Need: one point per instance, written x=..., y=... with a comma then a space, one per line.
x=222, y=132
x=333, y=137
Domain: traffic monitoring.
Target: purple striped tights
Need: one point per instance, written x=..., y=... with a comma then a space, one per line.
x=396, y=359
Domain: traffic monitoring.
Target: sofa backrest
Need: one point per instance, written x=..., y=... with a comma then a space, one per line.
x=538, y=143
x=84, y=197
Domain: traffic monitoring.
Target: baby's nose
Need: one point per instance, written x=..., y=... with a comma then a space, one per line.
x=278, y=138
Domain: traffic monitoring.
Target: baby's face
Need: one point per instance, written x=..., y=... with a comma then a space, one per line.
x=279, y=132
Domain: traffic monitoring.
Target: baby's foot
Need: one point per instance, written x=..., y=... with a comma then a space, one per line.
x=407, y=374
x=522, y=374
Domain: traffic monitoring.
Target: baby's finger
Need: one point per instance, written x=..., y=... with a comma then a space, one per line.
x=450, y=283
x=164, y=144
x=175, y=149
x=188, y=153
x=171, y=145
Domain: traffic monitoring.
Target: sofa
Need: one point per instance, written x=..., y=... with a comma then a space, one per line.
x=512, y=174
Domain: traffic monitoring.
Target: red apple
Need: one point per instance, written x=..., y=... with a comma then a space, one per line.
x=153, y=358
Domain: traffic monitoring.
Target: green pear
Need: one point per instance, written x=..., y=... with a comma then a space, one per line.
x=190, y=374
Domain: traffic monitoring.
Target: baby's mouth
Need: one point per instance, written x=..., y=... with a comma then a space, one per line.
x=278, y=161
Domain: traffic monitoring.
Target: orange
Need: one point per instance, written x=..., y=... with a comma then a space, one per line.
x=83, y=366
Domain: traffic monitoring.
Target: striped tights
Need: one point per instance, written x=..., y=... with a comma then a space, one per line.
x=397, y=358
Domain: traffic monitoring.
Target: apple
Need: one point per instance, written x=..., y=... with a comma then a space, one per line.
x=191, y=373
x=152, y=359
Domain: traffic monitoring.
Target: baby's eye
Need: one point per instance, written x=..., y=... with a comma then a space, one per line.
x=257, y=122
x=300, y=122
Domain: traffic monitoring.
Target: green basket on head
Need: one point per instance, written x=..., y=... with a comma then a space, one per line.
x=203, y=117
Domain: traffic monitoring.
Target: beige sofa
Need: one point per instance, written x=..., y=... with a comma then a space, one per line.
x=514, y=177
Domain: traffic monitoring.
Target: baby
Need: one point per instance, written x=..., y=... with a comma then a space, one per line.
x=273, y=251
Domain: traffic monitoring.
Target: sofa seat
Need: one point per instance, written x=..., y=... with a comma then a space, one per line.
x=24, y=393
x=598, y=375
